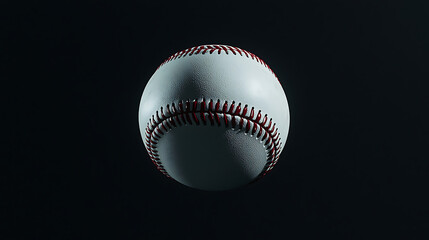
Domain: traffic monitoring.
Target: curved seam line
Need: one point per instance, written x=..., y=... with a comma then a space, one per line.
x=154, y=132
x=211, y=49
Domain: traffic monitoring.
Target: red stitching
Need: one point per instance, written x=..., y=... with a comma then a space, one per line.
x=213, y=110
x=203, y=49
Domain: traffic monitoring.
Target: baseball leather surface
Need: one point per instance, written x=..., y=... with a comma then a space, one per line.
x=214, y=117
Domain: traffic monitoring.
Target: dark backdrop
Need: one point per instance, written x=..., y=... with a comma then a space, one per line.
x=355, y=165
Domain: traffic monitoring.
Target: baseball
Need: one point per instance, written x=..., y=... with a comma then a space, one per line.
x=214, y=117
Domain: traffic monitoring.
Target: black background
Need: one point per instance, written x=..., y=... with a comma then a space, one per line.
x=355, y=165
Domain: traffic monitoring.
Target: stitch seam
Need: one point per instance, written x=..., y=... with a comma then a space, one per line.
x=200, y=112
x=203, y=49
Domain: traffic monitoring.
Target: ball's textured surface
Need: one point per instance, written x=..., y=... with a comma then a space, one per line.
x=214, y=117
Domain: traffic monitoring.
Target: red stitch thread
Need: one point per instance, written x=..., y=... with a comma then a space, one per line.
x=203, y=49
x=157, y=127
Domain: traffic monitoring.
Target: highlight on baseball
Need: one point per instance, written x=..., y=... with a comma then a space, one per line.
x=214, y=117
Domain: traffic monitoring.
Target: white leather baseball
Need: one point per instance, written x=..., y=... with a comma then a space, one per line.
x=214, y=117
